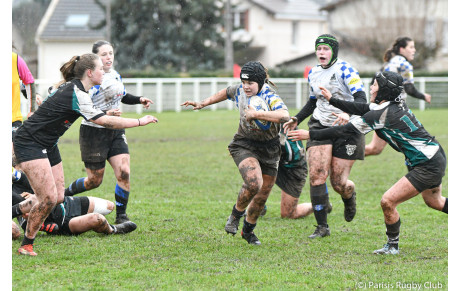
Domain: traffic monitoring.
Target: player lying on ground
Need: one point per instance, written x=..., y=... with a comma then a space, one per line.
x=399, y=127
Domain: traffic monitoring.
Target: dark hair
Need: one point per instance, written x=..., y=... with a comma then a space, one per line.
x=77, y=66
x=400, y=42
x=98, y=44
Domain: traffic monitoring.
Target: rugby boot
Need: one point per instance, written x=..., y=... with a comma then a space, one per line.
x=27, y=250
x=232, y=224
x=121, y=218
x=388, y=249
x=125, y=227
x=349, y=210
x=251, y=238
x=320, y=231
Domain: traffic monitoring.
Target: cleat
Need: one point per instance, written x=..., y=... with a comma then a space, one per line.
x=251, y=238
x=50, y=228
x=320, y=231
x=125, y=227
x=388, y=249
x=121, y=218
x=27, y=250
x=349, y=210
x=232, y=224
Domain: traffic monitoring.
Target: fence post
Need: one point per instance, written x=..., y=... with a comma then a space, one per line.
x=139, y=92
x=422, y=89
x=298, y=93
x=159, y=99
x=229, y=103
x=213, y=91
x=178, y=94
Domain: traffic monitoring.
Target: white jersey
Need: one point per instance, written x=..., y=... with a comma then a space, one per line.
x=342, y=80
x=400, y=65
x=108, y=95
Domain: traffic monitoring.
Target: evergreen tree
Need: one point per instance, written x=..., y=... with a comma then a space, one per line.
x=178, y=35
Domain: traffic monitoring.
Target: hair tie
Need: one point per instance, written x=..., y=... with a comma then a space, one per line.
x=77, y=59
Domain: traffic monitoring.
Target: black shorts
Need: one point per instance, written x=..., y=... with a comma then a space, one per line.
x=428, y=175
x=99, y=144
x=71, y=207
x=350, y=147
x=292, y=179
x=27, y=149
x=14, y=127
x=267, y=153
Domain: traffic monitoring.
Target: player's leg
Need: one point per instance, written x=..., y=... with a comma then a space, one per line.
x=255, y=208
x=319, y=161
x=291, y=209
x=375, y=147
x=340, y=171
x=99, y=205
x=58, y=174
x=42, y=181
x=252, y=182
x=434, y=199
x=16, y=232
x=401, y=191
x=121, y=167
x=95, y=175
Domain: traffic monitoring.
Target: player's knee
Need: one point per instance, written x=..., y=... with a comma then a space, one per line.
x=386, y=204
x=16, y=233
x=97, y=219
x=287, y=213
x=94, y=182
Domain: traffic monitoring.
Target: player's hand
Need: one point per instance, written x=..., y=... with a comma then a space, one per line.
x=326, y=93
x=114, y=112
x=342, y=118
x=290, y=125
x=146, y=102
x=428, y=98
x=38, y=99
x=250, y=113
x=196, y=105
x=147, y=119
x=299, y=134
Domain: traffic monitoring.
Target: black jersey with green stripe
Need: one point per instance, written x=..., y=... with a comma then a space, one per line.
x=58, y=112
x=393, y=122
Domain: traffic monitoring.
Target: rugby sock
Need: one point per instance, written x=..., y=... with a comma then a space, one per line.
x=235, y=212
x=347, y=201
x=121, y=199
x=27, y=241
x=444, y=209
x=78, y=186
x=16, y=211
x=20, y=178
x=393, y=233
x=319, y=197
x=248, y=227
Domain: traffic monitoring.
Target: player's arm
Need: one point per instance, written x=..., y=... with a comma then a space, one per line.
x=322, y=134
x=276, y=116
x=131, y=100
x=410, y=89
x=120, y=122
x=349, y=107
x=216, y=98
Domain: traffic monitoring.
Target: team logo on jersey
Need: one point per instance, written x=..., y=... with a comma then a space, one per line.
x=350, y=149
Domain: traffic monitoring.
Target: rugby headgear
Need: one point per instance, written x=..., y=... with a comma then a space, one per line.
x=254, y=71
x=330, y=41
x=390, y=86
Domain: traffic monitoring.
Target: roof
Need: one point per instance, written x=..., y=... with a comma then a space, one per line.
x=67, y=20
x=291, y=9
x=334, y=4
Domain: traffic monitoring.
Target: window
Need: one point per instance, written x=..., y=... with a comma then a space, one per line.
x=77, y=20
x=295, y=33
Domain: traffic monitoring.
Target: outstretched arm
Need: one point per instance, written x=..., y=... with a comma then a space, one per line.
x=357, y=108
x=120, y=122
x=322, y=134
x=216, y=98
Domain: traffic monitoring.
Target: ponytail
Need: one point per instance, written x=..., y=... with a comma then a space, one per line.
x=76, y=67
x=400, y=42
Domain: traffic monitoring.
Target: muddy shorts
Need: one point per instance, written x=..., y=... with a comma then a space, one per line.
x=428, y=175
x=292, y=179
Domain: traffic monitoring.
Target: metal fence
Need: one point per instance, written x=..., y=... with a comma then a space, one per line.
x=169, y=93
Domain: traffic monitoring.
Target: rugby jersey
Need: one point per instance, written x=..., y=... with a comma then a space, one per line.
x=342, y=80
x=400, y=65
x=236, y=94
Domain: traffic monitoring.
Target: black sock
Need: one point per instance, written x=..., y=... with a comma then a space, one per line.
x=444, y=209
x=27, y=241
x=248, y=227
x=78, y=186
x=114, y=228
x=235, y=212
x=16, y=211
x=319, y=197
x=393, y=233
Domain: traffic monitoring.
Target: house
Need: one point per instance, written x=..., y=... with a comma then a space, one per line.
x=68, y=28
x=277, y=31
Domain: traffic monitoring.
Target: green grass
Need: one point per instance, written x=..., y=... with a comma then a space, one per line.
x=183, y=187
